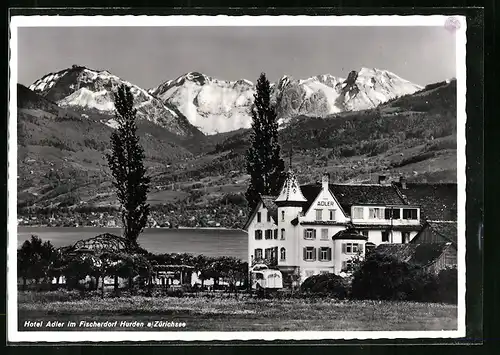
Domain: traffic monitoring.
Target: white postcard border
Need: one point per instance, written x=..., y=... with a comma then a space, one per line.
x=14, y=335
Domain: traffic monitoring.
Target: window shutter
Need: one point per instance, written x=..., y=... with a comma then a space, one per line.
x=314, y=253
x=305, y=233
x=314, y=233
x=360, y=248
x=344, y=265
x=329, y=254
x=305, y=253
x=343, y=248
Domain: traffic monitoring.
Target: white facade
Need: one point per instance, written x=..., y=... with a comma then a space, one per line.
x=303, y=240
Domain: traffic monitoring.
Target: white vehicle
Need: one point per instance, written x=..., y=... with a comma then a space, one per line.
x=263, y=278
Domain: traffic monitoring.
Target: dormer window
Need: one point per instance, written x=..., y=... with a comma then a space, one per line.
x=375, y=213
x=357, y=212
x=392, y=213
x=409, y=213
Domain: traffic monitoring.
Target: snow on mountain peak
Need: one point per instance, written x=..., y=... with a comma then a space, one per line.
x=215, y=105
x=87, y=89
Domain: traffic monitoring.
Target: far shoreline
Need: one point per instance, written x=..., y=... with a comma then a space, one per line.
x=149, y=228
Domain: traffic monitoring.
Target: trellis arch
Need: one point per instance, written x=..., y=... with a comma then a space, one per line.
x=100, y=243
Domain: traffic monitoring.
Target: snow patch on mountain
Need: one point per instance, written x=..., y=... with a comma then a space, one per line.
x=211, y=105
x=215, y=105
x=99, y=100
x=88, y=89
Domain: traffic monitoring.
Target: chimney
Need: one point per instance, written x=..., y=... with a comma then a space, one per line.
x=402, y=181
x=381, y=179
x=325, y=180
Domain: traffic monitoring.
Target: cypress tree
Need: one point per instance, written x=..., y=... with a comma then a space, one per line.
x=264, y=164
x=126, y=162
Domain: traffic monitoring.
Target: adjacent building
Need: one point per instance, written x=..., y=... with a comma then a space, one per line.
x=322, y=227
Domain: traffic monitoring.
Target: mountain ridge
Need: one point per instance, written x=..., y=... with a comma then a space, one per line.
x=217, y=106
x=90, y=90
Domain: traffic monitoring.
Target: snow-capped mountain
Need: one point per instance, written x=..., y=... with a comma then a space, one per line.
x=220, y=106
x=88, y=90
x=323, y=95
x=217, y=106
x=209, y=104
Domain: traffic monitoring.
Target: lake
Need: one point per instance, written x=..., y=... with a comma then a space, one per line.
x=209, y=242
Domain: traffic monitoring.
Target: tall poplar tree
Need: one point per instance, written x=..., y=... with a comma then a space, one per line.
x=126, y=162
x=264, y=163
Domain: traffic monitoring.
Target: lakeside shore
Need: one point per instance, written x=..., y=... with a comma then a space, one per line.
x=109, y=227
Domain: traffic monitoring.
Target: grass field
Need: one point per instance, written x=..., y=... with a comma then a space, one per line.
x=204, y=313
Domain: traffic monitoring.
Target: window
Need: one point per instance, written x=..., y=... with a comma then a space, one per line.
x=309, y=233
x=385, y=236
x=365, y=233
x=282, y=216
x=325, y=254
x=324, y=272
x=375, y=213
x=282, y=254
x=282, y=233
x=409, y=213
x=259, y=215
x=258, y=253
x=268, y=217
x=357, y=212
x=258, y=234
x=405, y=237
x=332, y=215
x=352, y=248
x=347, y=265
x=319, y=215
x=392, y=213
x=275, y=234
x=267, y=253
x=324, y=233
x=309, y=254
x=269, y=234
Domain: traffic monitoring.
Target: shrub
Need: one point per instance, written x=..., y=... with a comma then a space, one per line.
x=34, y=259
x=448, y=285
x=384, y=277
x=235, y=199
x=326, y=284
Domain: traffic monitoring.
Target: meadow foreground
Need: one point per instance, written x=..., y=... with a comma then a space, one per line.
x=214, y=313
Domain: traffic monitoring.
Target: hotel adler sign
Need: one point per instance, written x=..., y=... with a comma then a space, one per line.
x=326, y=203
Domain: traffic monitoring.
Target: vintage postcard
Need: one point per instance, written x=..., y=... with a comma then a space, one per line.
x=196, y=178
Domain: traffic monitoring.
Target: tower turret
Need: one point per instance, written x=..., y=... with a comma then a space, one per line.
x=291, y=194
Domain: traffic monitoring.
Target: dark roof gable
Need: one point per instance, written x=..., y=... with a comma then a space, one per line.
x=348, y=195
x=438, y=202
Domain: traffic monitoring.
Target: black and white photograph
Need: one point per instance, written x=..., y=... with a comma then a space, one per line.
x=236, y=178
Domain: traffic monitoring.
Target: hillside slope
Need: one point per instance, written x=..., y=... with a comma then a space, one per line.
x=61, y=153
x=414, y=135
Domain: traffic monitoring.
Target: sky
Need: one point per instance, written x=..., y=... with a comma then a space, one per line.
x=148, y=56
